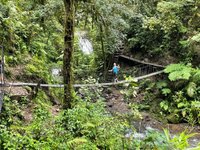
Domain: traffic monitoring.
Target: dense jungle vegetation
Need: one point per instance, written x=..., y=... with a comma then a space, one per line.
x=39, y=36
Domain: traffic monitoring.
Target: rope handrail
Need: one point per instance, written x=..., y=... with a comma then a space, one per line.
x=83, y=85
x=141, y=62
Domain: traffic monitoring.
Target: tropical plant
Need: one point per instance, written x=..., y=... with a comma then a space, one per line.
x=181, y=98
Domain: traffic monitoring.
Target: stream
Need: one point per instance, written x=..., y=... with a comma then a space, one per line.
x=116, y=104
x=150, y=124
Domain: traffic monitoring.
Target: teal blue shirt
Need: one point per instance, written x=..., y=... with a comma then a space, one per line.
x=115, y=70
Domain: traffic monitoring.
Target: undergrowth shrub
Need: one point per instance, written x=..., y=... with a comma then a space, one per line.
x=11, y=110
x=38, y=68
x=90, y=120
x=181, y=95
x=92, y=93
x=86, y=126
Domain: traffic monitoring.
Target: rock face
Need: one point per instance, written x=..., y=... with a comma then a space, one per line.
x=173, y=118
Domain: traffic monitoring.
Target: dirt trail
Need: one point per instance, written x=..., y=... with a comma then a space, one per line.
x=55, y=110
x=115, y=102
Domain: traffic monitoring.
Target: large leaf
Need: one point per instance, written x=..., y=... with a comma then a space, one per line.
x=166, y=91
x=178, y=71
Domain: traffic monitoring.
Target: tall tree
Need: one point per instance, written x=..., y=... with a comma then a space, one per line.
x=68, y=51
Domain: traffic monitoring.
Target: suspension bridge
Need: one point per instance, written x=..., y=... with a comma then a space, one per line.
x=144, y=70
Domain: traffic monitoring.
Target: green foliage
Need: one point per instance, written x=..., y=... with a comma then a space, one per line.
x=164, y=105
x=166, y=91
x=176, y=96
x=181, y=96
x=10, y=112
x=178, y=141
x=98, y=127
x=86, y=126
x=34, y=30
x=178, y=71
x=163, y=141
x=155, y=140
x=23, y=29
x=196, y=38
x=81, y=143
x=38, y=68
x=91, y=93
x=130, y=89
x=166, y=30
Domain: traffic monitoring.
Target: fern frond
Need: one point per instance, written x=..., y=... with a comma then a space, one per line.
x=196, y=76
x=77, y=141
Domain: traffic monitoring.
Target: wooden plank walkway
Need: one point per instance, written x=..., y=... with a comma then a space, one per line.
x=82, y=85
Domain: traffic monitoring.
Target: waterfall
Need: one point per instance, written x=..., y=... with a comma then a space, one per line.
x=56, y=71
x=84, y=44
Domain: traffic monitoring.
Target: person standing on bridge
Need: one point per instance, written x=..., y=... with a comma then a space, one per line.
x=115, y=71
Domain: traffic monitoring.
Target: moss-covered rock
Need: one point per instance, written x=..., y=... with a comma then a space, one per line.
x=173, y=118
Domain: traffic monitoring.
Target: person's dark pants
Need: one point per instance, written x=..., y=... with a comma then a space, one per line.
x=115, y=76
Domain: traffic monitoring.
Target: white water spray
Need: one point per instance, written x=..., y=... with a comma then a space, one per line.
x=84, y=44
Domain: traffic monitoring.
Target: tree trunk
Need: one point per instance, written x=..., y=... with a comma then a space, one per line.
x=42, y=2
x=68, y=51
x=103, y=52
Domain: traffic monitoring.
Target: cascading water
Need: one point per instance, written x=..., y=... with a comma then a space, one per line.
x=56, y=71
x=84, y=44
x=86, y=47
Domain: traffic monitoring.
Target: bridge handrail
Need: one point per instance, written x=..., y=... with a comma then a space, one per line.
x=82, y=85
x=139, y=61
